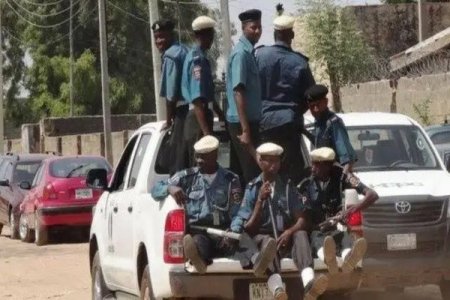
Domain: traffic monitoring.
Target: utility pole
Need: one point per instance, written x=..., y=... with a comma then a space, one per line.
x=179, y=20
x=226, y=29
x=71, y=58
x=420, y=17
x=105, y=81
x=159, y=103
x=2, y=135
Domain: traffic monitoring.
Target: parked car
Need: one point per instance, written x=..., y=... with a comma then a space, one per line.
x=15, y=169
x=58, y=197
x=408, y=228
x=440, y=136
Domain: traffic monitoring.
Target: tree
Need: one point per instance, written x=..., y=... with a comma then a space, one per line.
x=335, y=44
x=43, y=30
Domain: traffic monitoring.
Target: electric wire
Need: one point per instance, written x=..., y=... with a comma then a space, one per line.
x=47, y=15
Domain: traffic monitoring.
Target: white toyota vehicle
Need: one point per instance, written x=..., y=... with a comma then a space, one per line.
x=136, y=242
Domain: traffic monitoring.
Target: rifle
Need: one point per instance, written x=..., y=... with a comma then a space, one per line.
x=275, y=234
x=331, y=222
x=218, y=232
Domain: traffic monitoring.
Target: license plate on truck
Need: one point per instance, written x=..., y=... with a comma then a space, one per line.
x=403, y=241
x=259, y=291
x=83, y=194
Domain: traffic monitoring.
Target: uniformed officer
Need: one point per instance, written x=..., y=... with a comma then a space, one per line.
x=329, y=129
x=270, y=191
x=173, y=55
x=322, y=194
x=285, y=75
x=211, y=196
x=198, y=86
x=244, y=95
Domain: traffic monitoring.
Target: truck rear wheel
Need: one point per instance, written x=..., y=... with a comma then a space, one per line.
x=99, y=290
x=445, y=289
x=146, y=286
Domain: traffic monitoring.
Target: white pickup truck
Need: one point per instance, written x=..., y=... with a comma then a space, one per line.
x=136, y=243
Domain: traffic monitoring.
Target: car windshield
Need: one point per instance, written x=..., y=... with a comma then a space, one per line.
x=25, y=171
x=391, y=148
x=76, y=167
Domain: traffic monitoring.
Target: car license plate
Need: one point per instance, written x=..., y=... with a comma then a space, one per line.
x=259, y=291
x=404, y=241
x=83, y=194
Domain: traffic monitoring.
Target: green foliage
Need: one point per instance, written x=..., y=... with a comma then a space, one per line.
x=46, y=80
x=422, y=110
x=335, y=45
x=335, y=42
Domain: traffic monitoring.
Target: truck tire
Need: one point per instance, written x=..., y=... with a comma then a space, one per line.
x=26, y=234
x=146, y=286
x=444, y=286
x=40, y=232
x=13, y=226
x=99, y=290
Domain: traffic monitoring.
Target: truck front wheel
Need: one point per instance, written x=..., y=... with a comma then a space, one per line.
x=99, y=289
x=445, y=289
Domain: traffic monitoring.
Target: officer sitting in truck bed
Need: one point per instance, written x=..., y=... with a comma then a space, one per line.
x=211, y=196
x=322, y=197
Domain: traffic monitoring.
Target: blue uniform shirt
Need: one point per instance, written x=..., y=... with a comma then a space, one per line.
x=286, y=203
x=197, y=80
x=172, y=70
x=284, y=76
x=212, y=205
x=242, y=70
x=330, y=131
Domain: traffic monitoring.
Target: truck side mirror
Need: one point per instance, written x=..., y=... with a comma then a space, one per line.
x=25, y=185
x=4, y=182
x=97, y=179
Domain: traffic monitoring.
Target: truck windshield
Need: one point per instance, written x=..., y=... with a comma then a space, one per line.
x=391, y=148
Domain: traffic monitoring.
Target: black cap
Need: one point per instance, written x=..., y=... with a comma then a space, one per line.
x=163, y=24
x=316, y=92
x=250, y=15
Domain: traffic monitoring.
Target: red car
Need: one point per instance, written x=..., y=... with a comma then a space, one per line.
x=59, y=197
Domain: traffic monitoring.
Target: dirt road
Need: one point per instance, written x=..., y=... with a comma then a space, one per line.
x=55, y=271
x=61, y=271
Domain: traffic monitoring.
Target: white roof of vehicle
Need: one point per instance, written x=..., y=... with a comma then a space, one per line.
x=370, y=119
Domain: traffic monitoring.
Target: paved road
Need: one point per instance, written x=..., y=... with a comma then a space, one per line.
x=61, y=271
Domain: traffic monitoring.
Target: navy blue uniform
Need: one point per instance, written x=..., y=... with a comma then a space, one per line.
x=285, y=76
x=323, y=200
x=330, y=131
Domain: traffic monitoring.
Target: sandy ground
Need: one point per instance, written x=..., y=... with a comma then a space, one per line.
x=61, y=271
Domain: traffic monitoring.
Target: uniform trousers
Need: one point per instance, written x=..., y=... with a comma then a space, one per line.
x=178, y=152
x=193, y=132
x=298, y=249
x=247, y=163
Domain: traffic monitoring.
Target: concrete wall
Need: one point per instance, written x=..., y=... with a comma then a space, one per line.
x=378, y=96
x=390, y=29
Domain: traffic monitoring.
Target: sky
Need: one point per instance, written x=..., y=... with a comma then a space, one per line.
x=268, y=12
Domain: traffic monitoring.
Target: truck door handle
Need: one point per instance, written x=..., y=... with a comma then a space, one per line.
x=130, y=209
x=115, y=209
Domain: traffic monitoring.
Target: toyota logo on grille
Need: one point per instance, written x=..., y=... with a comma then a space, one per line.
x=403, y=207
